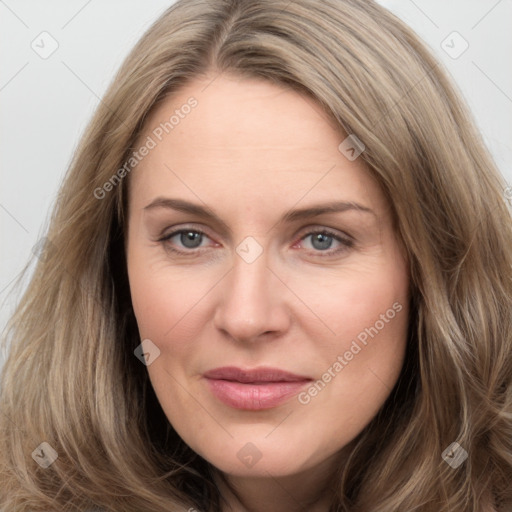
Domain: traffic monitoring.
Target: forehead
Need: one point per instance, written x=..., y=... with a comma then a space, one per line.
x=246, y=139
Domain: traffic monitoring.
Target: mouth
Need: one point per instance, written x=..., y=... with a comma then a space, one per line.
x=254, y=389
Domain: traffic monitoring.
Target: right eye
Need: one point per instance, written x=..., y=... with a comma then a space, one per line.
x=186, y=239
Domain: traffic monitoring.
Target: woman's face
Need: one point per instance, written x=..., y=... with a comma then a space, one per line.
x=265, y=275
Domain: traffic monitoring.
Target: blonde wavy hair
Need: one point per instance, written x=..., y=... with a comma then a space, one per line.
x=72, y=380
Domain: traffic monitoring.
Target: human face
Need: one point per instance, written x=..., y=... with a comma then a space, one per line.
x=262, y=287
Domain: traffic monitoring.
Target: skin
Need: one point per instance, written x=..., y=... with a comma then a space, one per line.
x=252, y=151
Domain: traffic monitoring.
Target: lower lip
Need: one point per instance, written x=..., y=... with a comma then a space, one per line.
x=254, y=397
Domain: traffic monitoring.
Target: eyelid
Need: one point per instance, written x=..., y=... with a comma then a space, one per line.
x=343, y=238
x=176, y=230
x=307, y=230
x=318, y=228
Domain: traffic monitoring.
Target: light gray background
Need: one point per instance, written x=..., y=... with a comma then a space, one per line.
x=46, y=102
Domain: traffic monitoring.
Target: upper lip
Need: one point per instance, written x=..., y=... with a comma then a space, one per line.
x=253, y=375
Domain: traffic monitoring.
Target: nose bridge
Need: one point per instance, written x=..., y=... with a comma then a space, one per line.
x=249, y=286
x=250, y=277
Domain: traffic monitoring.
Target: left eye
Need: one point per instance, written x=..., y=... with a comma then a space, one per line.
x=321, y=241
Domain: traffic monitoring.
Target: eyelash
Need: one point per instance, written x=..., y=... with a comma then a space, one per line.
x=346, y=242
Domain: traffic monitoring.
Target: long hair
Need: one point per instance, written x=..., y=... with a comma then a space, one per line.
x=75, y=398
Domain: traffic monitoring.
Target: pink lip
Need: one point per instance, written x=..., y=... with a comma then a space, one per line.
x=255, y=389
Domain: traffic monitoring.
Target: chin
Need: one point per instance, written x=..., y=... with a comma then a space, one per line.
x=262, y=457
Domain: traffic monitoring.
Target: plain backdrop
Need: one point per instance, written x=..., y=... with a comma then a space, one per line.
x=47, y=99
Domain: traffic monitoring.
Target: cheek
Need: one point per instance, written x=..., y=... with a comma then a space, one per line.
x=358, y=351
x=155, y=308
x=158, y=295
x=346, y=304
x=361, y=362
x=170, y=304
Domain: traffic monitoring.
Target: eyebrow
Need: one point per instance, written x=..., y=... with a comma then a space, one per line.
x=290, y=216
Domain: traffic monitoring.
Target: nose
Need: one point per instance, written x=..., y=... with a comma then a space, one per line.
x=252, y=304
